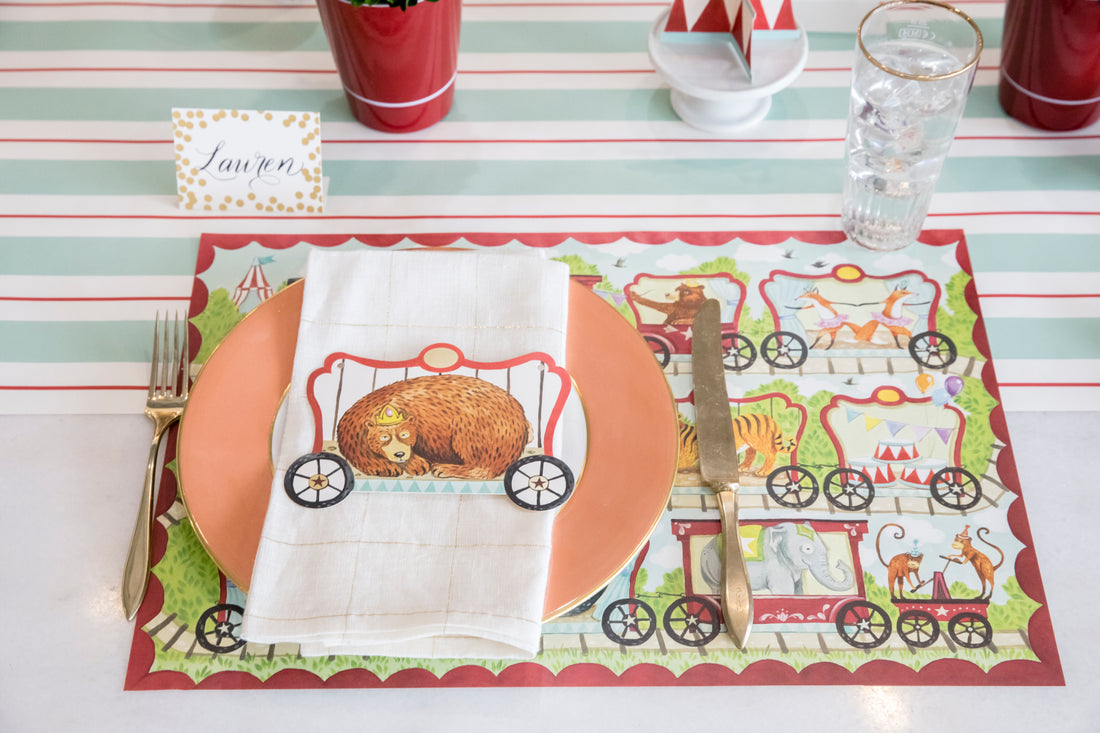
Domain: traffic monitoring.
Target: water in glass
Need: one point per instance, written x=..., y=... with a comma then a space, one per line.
x=899, y=132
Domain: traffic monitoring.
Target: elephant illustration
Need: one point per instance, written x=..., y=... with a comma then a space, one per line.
x=787, y=549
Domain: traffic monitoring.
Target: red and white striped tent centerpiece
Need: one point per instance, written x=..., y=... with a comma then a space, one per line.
x=723, y=20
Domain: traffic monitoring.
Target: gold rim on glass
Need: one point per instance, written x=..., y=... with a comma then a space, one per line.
x=922, y=77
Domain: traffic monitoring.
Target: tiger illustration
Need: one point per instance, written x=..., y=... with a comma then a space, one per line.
x=754, y=433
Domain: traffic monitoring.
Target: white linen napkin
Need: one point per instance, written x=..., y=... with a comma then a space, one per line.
x=398, y=574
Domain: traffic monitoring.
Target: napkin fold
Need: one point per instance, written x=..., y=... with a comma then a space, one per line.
x=407, y=574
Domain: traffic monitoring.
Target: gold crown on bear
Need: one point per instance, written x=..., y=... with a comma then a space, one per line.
x=390, y=415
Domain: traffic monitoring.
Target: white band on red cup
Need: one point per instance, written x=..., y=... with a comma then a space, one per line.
x=414, y=103
x=1048, y=100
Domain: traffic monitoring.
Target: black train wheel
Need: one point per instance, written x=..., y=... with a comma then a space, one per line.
x=955, y=488
x=933, y=350
x=792, y=487
x=738, y=353
x=863, y=625
x=784, y=350
x=629, y=622
x=918, y=628
x=216, y=629
x=692, y=620
x=849, y=489
x=970, y=630
x=538, y=482
x=660, y=350
x=318, y=480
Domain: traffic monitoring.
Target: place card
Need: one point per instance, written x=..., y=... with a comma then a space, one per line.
x=237, y=160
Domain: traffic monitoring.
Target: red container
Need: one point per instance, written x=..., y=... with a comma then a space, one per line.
x=1050, y=63
x=397, y=66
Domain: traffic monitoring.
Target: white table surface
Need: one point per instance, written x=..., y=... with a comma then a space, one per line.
x=71, y=487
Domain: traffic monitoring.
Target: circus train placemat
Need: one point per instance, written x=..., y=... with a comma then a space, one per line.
x=881, y=516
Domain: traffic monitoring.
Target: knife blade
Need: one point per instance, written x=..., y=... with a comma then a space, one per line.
x=718, y=463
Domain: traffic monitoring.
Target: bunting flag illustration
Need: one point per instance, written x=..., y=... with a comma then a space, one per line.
x=870, y=422
x=920, y=431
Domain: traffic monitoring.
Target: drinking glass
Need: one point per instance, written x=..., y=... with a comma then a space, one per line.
x=914, y=65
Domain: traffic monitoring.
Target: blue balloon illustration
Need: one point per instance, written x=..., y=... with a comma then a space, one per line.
x=940, y=397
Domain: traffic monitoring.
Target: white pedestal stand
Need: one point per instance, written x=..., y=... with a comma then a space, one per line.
x=710, y=90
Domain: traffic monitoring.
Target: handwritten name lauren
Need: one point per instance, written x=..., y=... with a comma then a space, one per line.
x=259, y=167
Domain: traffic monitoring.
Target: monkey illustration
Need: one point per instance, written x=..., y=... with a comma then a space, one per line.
x=903, y=566
x=967, y=553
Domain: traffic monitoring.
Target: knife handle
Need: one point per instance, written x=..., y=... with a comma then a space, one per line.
x=736, y=591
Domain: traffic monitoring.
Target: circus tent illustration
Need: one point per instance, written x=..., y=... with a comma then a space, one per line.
x=725, y=20
x=253, y=288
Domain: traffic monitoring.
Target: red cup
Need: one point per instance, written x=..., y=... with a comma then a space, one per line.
x=397, y=66
x=1050, y=63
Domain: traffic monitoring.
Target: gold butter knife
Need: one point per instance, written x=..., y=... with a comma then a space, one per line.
x=718, y=463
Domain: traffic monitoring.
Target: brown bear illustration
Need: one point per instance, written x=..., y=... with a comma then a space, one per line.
x=449, y=425
x=681, y=311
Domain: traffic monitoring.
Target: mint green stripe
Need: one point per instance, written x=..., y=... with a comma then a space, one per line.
x=551, y=37
x=1043, y=338
x=120, y=35
x=92, y=256
x=96, y=256
x=111, y=341
x=155, y=105
x=537, y=177
x=76, y=341
x=476, y=37
x=471, y=105
x=107, y=256
x=483, y=37
x=1033, y=252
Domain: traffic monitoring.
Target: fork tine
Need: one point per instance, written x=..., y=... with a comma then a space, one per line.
x=166, y=357
x=174, y=359
x=156, y=356
x=185, y=357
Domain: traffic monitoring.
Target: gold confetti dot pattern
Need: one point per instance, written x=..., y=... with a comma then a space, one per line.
x=201, y=192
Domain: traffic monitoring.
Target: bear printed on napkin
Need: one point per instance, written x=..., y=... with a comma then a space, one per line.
x=441, y=423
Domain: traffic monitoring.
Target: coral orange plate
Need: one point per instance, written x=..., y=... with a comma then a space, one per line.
x=225, y=468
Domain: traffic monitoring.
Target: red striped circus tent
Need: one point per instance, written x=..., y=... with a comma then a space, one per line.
x=254, y=283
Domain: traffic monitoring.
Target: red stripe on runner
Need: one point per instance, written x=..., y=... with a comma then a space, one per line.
x=325, y=217
x=155, y=69
x=1018, y=213
x=51, y=141
x=155, y=5
x=1049, y=384
x=91, y=299
x=245, y=6
x=1039, y=295
x=333, y=71
x=533, y=141
x=44, y=387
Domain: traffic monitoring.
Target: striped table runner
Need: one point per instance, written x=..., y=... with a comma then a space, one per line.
x=559, y=124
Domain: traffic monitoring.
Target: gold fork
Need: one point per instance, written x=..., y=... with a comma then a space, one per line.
x=164, y=405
